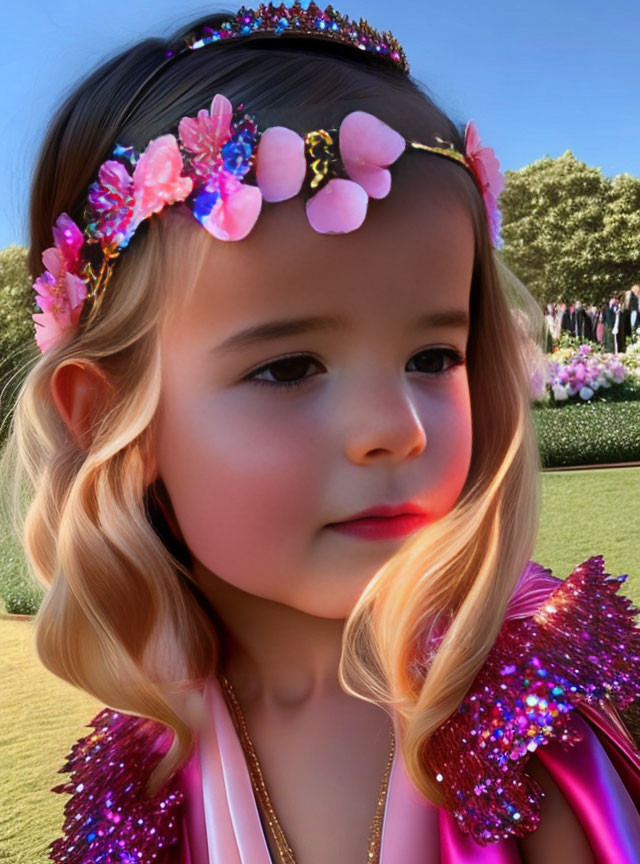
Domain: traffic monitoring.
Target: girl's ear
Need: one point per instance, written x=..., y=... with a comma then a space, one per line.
x=79, y=391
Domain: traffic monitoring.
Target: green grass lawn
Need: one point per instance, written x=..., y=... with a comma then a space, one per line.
x=584, y=513
x=588, y=513
x=42, y=716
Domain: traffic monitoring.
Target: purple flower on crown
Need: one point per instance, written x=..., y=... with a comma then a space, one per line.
x=119, y=201
x=237, y=151
x=110, y=207
x=61, y=289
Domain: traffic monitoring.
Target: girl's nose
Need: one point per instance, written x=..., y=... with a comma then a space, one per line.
x=383, y=423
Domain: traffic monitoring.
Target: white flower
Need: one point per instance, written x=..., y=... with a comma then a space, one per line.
x=559, y=393
x=586, y=393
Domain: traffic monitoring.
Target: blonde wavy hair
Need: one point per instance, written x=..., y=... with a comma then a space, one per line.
x=122, y=617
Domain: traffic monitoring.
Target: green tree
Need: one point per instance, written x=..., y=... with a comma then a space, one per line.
x=622, y=231
x=569, y=232
x=17, y=344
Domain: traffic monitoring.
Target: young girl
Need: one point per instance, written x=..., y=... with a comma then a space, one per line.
x=285, y=480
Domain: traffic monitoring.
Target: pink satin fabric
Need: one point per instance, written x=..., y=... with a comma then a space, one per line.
x=599, y=777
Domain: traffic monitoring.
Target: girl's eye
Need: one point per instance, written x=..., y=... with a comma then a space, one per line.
x=288, y=372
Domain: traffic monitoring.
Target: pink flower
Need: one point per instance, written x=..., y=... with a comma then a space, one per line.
x=68, y=239
x=338, y=208
x=157, y=178
x=280, y=163
x=60, y=290
x=228, y=208
x=486, y=168
x=203, y=136
x=367, y=146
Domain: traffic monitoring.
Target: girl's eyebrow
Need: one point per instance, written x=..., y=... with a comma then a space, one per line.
x=293, y=326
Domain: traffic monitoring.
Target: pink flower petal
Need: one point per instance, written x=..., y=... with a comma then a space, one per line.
x=491, y=170
x=485, y=161
x=115, y=177
x=364, y=136
x=367, y=143
x=46, y=302
x=61, y=300
x=157, y=178
x=338, y=208
x=48, y=330
x=75, y=314
x=220, y=124
x=472, y=138
x=375, y=181
x=234, y=217
x=53, y=260
x=280, y=163
x=76, y=290
x=192, y=130
x=207, y=132
x=45, y=287
x=221, y=112
x=69, y=239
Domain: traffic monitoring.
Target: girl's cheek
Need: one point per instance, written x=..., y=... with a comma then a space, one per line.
x=230, y=470
x=450, y=440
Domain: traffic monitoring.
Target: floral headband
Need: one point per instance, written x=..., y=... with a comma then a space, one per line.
x=207, y=166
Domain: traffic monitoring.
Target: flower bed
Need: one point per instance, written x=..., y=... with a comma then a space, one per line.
x=587, y=374
x=631, y=357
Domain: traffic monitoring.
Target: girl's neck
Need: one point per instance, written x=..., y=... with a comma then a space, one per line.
x=277, y=658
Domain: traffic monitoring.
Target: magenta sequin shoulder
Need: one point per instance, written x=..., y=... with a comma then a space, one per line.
x=577, y=644
x=582, y=645
x=109, y=818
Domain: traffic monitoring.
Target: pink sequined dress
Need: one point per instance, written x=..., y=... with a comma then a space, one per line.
x=565, y=663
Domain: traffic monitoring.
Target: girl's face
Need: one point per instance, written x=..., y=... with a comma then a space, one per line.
x=379, y=414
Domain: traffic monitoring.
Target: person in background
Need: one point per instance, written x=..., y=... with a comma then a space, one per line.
x=616, y=327
x=599, y=322
x=569, y=319
x=582, y=322
x=609, y=321
x=634, y=302
x=549, y=325
x=557, y=319
x=625, y=319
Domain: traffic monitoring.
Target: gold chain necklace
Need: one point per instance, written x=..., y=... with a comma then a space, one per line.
x=285, y=852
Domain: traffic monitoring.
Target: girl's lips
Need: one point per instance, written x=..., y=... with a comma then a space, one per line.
x=381, y=527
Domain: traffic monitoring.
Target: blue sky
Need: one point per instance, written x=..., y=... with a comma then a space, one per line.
x=538, y=78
